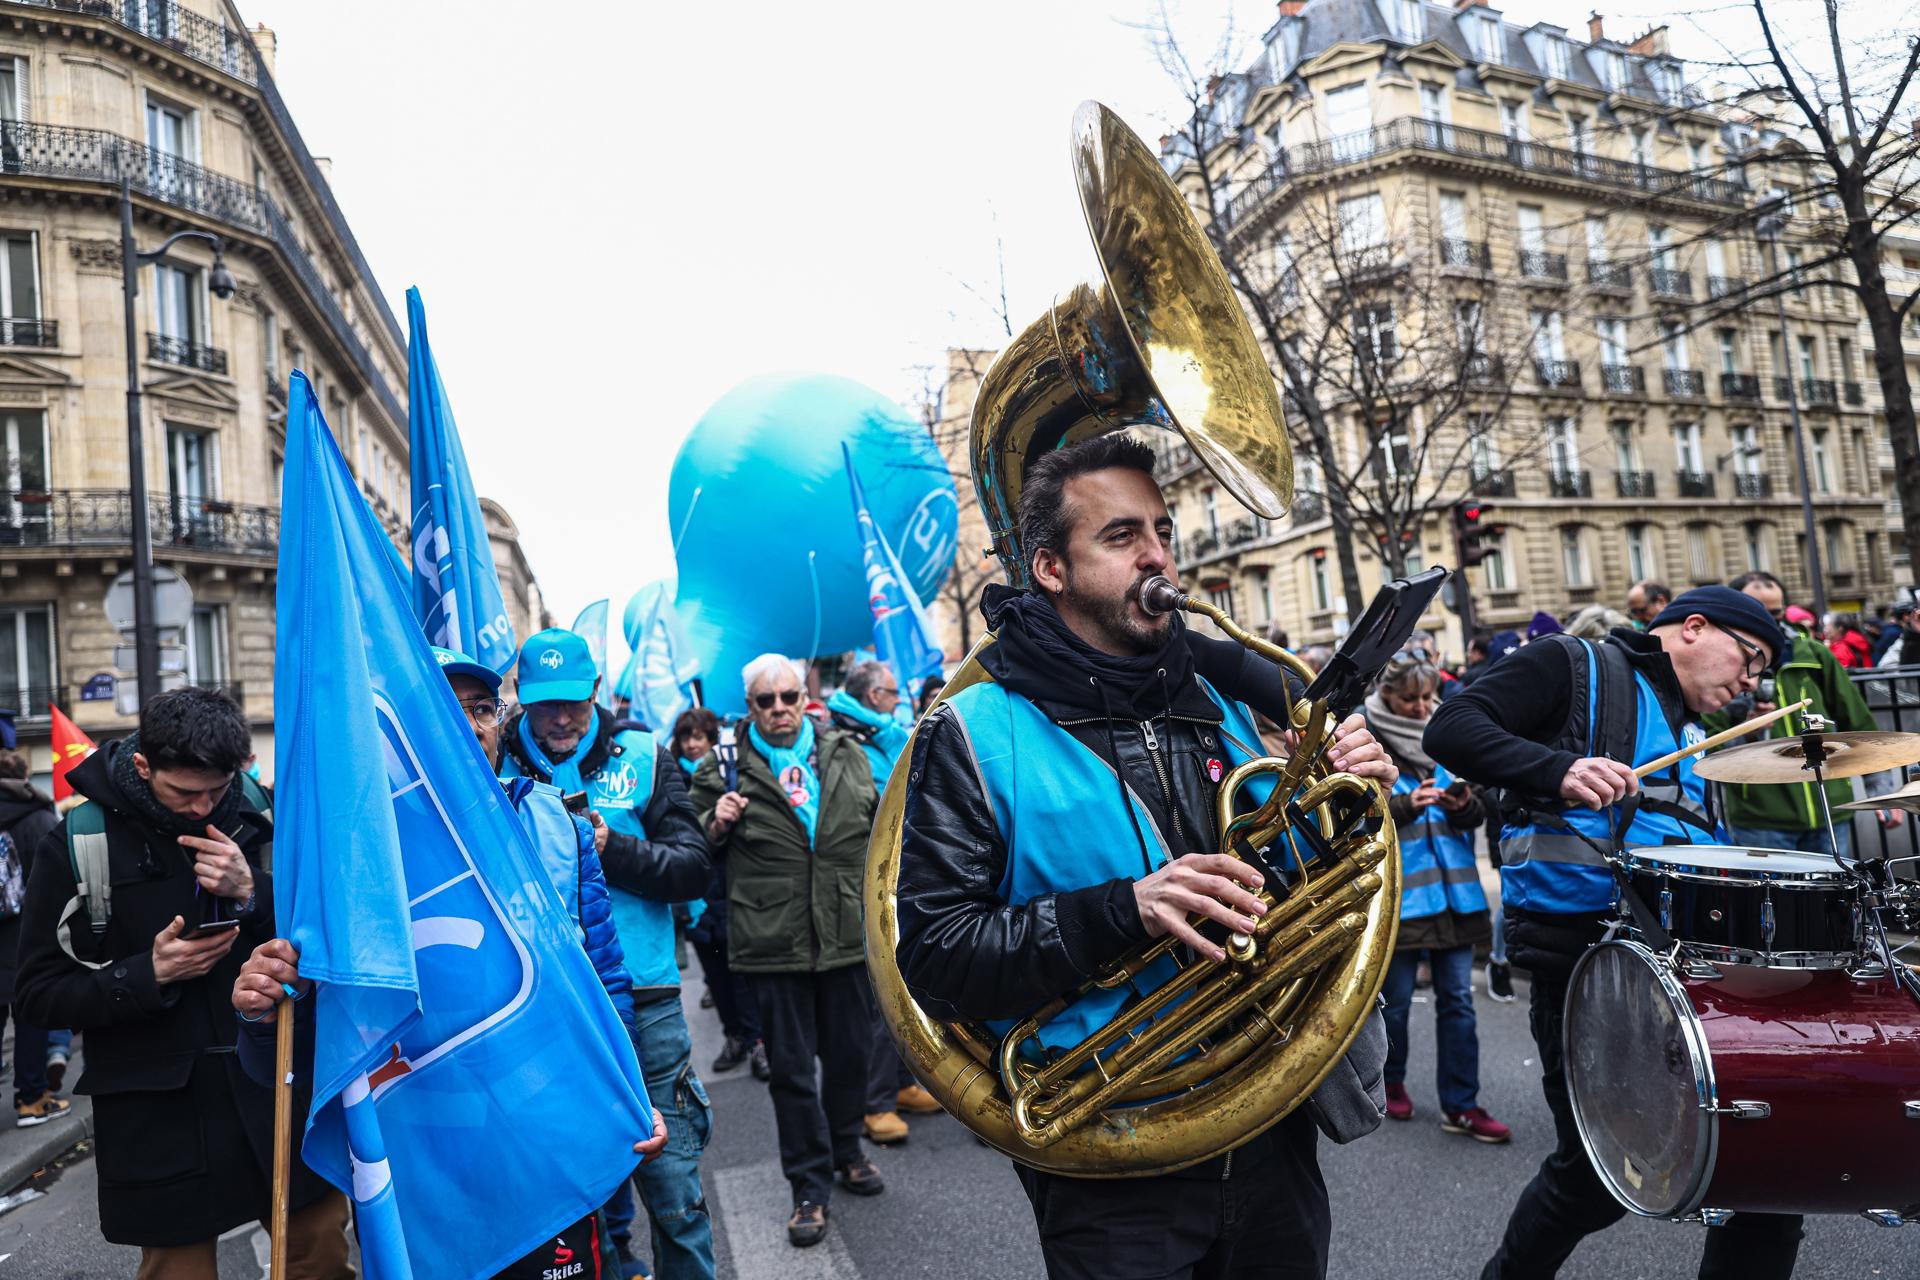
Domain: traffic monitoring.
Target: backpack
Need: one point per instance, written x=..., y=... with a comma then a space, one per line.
x=13, y=884
x=92, y=882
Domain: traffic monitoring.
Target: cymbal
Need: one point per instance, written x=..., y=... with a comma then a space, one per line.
x=1848, y=755
x=1907, y=797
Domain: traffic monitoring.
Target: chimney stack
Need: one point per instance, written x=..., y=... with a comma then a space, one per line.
x=1291, y=8
x=1651, y=45
x=1464, y=5
x=265, y=41
x=1596, y=29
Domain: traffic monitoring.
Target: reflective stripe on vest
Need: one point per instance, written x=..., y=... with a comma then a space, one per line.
x=1545, y=867
x=1057, y=805
x=1437, y=870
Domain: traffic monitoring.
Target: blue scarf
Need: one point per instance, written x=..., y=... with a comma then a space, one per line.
x=566, y=773
x=689, y=765
x=793, y=771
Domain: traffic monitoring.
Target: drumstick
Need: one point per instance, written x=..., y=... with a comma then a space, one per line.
x=1725, y=735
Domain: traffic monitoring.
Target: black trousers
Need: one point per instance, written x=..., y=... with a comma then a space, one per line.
x=806, y=1017
x=1259, y=1214
x=1566, y=1200
x=732, y=992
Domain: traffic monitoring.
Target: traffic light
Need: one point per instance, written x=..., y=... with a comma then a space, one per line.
x=1472, y=533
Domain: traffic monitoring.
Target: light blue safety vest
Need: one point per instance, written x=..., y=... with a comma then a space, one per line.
x=1545, y=867
x=619, y=792
x=1437, y=871
x=542, y=810
x=1058, y=812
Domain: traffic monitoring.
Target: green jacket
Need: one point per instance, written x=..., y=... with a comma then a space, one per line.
x=1810, y=671
x=791, y=908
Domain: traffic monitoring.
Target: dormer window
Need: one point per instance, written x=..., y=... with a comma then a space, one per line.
x=1616, y=65
x=1489, y=40
x=1406, y=20
x=1558, y=65
x=1666, y=80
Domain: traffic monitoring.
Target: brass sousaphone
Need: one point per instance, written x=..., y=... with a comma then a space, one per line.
x=1155, y=337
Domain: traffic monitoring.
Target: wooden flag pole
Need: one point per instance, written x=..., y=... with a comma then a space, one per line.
x=282, y=1134
x=1725, y=735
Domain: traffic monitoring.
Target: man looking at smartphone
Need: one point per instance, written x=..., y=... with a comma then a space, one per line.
x=146, y=968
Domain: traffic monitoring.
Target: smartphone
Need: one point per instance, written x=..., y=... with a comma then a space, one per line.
x=576, y=802
x=206, y=927
x=1456, y=788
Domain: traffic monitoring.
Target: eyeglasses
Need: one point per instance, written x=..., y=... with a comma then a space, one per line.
x=889, y=692
x=787, y=697
x=1753, y=651
x=485, y=712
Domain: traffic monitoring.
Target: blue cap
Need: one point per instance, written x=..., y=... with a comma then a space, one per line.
x=1502, y=644
x=1733, y=609
x=453, y=664
x=556, y=666
x=8, y=739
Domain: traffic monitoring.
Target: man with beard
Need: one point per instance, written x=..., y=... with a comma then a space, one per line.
x=1018, y=885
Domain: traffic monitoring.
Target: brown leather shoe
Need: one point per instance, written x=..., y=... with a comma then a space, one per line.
x=885, y=1128
x=915, y=1100
x=862, y=1177
x=808, y=1225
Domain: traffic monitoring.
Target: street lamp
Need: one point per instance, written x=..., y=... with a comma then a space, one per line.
x=146, y=638
x=1767, y=232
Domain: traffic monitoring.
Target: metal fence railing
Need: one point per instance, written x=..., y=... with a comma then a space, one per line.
x=1893, y=695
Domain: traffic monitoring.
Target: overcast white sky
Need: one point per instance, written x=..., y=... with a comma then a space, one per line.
x=617, y=211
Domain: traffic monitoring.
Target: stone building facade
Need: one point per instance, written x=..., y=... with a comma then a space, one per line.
x=1572, y=193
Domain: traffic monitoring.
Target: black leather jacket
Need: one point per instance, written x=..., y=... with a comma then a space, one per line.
x=966, y=953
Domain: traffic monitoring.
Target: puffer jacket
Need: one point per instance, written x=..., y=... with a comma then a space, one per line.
x=598, y=936
x=26, y=815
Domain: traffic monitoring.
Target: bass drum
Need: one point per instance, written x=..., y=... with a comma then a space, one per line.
x=1762, y=1090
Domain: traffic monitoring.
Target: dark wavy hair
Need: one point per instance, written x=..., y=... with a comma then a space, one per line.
x=695, y=720
x=195, y=728
x=1045, y=517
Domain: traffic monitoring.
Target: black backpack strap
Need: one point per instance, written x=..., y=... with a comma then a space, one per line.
x=1617, y=704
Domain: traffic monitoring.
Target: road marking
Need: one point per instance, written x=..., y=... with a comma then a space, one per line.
x=749, y=1201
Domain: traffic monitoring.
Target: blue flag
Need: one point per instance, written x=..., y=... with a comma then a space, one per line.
x=462, y=1035
x=902, y=635
x=456, y=589
x=591, y=626
x=661, y=666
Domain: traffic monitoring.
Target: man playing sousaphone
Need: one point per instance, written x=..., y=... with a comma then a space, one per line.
x=1051, y=821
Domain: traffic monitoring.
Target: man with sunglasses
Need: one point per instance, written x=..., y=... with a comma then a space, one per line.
x=1561, y=725
x=650, y=847
x=792, y=828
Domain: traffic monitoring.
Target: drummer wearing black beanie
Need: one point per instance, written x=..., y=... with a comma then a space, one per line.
x=1560, y=725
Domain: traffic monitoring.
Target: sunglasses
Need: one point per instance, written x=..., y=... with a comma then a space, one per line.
x=787, y=697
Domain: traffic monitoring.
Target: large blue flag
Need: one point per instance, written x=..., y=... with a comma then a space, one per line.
x=456, y=589
x=661, y=666
x=474, y=1090
x=591, y=626
x=902, y=635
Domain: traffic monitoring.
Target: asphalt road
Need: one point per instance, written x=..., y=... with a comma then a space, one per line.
x=1409, y=1201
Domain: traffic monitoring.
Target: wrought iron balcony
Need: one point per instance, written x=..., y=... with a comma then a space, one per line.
x=1684, y=382
x=1670, y=284
x=1633, y=484
x=1854, y=394
x=29, y=333
x=74, y=518
x=1309, y=506
x=1471, y=254
x=1480, y=366
x=1203, y=545
x=1725, y=286
x=1482, y=145
x=1748, y=485
x=1820, y=393
x=1782, y=388
x=1495, y=483
x=29, y=701
x=1609, y=275
x=1558, y=374
x=1537, y=264
x=1623, y=379
x=1740, y=386
x=1570, y=484
x=202, y=39
x=189, y=354
x=1243, y=531
x=1694, y=484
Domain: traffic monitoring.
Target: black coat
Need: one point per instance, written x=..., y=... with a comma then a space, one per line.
x=182, y=1138
x=26, y=815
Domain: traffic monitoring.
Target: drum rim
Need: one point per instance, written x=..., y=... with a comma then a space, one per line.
x=1805, y=961
x=1706, y=1088
x=1646, y=862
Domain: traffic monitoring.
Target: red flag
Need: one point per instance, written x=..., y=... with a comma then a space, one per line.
x=70, y=747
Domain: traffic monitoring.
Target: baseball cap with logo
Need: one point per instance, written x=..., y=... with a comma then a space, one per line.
x=556, y=666
x=453, y=664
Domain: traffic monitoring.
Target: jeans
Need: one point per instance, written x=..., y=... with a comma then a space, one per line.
x=1566, y=1200
x=807, y=1018
x=29, y=1057
x=1497, y=951
x=1457, y=1049
x=669, y=1183
x=1814, y=841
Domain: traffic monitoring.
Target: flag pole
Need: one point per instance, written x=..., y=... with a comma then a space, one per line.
x=282, y=1134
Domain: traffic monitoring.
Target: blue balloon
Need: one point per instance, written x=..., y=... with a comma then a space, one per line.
x=767, y=545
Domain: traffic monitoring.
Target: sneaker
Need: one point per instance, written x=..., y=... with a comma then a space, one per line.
x=56, y=1069
x=627, y=1266
x=1499, y=982
x=1399, y=1105
x=1476, y=1124
x=706, y=998
x=861, y=1176
x=757, y=1062
x=807, y=1225
x=732, y=1054
x=46, y=1107
x=917, y=1101
x=885, y=1128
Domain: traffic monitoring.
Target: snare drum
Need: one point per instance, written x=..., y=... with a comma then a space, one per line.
x=1734, y=905
x=1761, y=1090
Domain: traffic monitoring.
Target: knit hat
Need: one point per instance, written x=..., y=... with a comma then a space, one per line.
x=1733, y=609
x=1543, y=624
